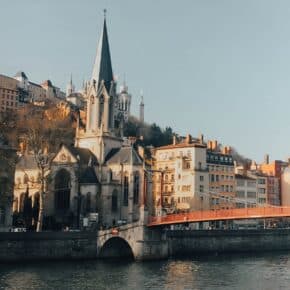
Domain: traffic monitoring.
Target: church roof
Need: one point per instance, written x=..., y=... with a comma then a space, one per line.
x=102, y=70
x=124, y=155
x=84, y=155
x=27, y=161
x=89, y=176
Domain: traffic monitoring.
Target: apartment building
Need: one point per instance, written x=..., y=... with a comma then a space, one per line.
x=180, y=176
x=221, y=176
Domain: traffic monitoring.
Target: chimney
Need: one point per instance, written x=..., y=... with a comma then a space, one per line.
x=214, y=145
x=209, y=145
x=174, y=140
x=225, y=150
x=201, y=138
x=229, y=149
x=188, y=139
x=266, y=159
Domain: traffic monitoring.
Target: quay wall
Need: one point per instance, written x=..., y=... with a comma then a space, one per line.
x=189, y=242
x=47, y=246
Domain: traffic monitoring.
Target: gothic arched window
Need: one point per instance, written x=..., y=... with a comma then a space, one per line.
x=136, y=188
x=114, y=201
x=125, y=190
x=25, y=179
x=62, y=190
x=88, y=202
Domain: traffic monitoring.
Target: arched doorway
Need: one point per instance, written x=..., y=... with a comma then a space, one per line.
x=116, y=247
x=62, y=191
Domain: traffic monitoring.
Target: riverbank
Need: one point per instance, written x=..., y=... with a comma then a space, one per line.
x=32, y=246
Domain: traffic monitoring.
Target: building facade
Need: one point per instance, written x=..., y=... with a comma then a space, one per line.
x=7, y=171
x=221, y=177
x=180, y=176
x=17, y=91
x=9, y=94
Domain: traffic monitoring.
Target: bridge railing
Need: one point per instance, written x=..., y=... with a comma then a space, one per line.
x=221, y=214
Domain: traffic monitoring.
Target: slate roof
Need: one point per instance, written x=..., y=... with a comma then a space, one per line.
x=84, y=155
x=26, y=162
x=123, y=155
x=89, y=176
x=102, y=70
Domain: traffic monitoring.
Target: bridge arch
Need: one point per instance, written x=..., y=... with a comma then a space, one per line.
x=116, y=247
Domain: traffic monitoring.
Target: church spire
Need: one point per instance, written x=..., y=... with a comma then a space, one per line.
x=103, y=67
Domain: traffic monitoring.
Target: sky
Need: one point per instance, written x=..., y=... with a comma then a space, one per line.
x=221, y=68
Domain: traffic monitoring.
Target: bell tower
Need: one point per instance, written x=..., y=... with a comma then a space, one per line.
x=99, y=135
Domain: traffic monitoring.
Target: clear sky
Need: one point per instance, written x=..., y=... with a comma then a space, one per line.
x=221, y=68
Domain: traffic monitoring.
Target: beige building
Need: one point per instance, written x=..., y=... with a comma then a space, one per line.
x=16, y=92
x=180, y=176
x=7, y=171
x=27, y=186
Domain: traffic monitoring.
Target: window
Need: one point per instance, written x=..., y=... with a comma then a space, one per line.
x=251, y=183
x=261, y=190
x=62, y=190
x=88, y=202
x=136, y=189
x=217, y=178
x=212, y=178
x=240, y=182
x=251, y=194
x=114, y=201
x=25, y=179
x=126, y=191
x=261, y=181
x=201, y=178
x=201, y=188
x=240, y=194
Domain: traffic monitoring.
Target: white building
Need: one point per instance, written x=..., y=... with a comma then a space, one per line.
x=180, y=176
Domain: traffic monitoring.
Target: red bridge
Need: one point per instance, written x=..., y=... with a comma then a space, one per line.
x=219, y=215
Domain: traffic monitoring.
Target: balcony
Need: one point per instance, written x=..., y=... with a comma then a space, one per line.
x=201, y=169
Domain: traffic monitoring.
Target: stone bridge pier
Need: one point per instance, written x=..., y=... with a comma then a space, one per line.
x=134, y=241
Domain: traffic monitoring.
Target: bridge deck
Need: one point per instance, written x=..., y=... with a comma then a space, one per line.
x=218, y=215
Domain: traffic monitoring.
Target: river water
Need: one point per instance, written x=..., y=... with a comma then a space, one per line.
x=265, y=271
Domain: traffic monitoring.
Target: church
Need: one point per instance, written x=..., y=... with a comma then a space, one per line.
x=102, y=173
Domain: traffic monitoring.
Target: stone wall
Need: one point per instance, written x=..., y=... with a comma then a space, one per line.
x=47, y=246
x=215, y=241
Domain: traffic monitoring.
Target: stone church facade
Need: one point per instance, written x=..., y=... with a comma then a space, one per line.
x=100, y=174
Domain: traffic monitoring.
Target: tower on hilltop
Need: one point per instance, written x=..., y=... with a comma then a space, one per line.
x=141, y=113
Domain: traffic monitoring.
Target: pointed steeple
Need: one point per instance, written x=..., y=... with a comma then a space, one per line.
x=103, y=67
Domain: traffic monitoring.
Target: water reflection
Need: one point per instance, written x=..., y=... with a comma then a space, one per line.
x=270, y=271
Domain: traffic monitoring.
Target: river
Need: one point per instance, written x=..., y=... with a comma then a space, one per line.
x=264, y=271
